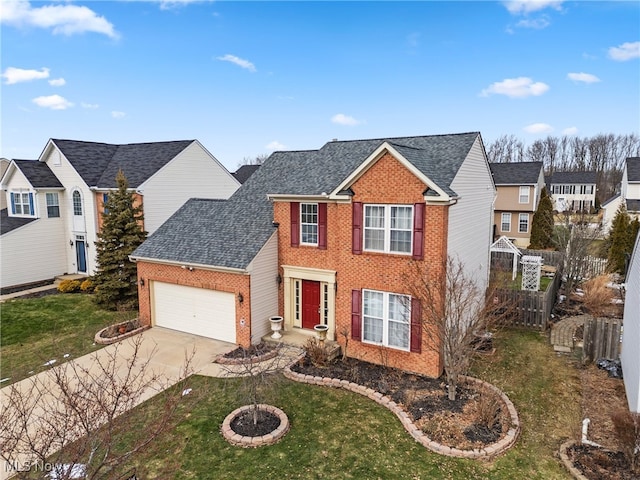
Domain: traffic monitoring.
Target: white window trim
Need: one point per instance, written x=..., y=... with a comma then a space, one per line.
x=30, y=213
x=520, y=217
x=302, y=242
x=502, y=222
x=57, y=204
x=386, y=320
x=387, y=228
x=73, y=205
x=528, y=194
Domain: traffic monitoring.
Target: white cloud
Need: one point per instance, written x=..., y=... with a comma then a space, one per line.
x=57, y=82
x=275, y=145
x=61, y=19
x=92, y=106
x=117, y=114
x=342, y=119
x=54, y=102
x=583, y=77
x=520, y=87
x=535, y=23
x=520, y=7
x=16, y=75
x=241, y=62
x=624, y=52
x=570, y=131
x=538, y=128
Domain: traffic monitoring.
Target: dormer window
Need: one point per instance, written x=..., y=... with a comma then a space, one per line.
x=22, y=204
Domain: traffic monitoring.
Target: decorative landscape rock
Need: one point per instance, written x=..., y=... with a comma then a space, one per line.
x=119, y=331
x=274, y=435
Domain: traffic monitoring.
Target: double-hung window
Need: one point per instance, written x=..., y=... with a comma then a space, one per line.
x=309, y=223
x=388, y=228
x=523, y=223
x=22, y=204
x=505, y=223
x=53, y=205
x=524, y=195
x=386, y=318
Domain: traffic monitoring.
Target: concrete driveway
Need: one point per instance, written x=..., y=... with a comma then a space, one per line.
x=166, y=351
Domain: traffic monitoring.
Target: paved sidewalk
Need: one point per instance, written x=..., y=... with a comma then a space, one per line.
x=166, y=350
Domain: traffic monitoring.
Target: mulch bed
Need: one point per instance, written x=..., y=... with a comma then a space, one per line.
x=474, y=419
x=598, y=464
x=253, y=351
x=243, y=424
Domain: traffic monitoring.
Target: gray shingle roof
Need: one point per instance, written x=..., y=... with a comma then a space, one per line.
x=244, y=172
x=38, y=173
x=8, y=223
x=567, y=178
x=230, y=233
x=516, y=173
x=633, y=169
x=608, y=201
x=98, y=163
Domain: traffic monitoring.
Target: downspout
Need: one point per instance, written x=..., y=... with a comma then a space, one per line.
x=584, y=441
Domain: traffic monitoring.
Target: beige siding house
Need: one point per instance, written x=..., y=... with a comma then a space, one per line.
x=518, y=188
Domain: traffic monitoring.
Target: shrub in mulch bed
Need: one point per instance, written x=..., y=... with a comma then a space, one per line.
x=473, y=420
x=598, y=464
x=243, y=424
x=256, y=353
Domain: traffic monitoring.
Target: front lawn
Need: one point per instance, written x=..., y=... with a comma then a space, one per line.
x=37, y=330
x=337, y=434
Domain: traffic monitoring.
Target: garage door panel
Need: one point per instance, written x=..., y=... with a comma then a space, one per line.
x=199, y=311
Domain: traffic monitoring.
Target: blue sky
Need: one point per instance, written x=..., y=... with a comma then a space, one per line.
x=247, y=78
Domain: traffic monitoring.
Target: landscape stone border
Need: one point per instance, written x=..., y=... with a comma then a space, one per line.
x=243, y=441
x=99, y=339
x=489, y=451
x=575, y=473
x=239, y=361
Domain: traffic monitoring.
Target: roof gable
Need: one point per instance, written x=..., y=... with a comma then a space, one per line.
x=98, y=163
x=516, y=173
x=38, y=174
x=633, y=169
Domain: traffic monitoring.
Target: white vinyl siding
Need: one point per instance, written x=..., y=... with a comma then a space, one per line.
x=199, y=311
x=388, y=228
x=385, y=319
x=193, y=173
x=264, y=288
x=505, y=222
x=309, y=223
x=631, y=335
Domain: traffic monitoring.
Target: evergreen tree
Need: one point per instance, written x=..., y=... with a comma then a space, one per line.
x=122, y=233
x=542, y=224
x=619, y=240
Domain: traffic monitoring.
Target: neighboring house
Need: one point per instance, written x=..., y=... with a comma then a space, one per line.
x=629, y=194
x=630, y=356
x=573, y=191
x=56, y=203
x=4, y=164
x=325, y=237
x=244, y=172
x=518, y=187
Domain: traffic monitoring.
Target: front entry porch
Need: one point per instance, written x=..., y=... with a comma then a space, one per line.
x=297, y=337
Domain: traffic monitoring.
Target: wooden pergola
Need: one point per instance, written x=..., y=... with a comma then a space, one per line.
x=504, y=245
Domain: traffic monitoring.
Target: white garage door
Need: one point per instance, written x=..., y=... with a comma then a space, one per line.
x=195, y=310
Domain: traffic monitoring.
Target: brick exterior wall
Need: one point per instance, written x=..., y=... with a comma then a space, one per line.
x=221, y=281
x=137, y=202
x=387, y=181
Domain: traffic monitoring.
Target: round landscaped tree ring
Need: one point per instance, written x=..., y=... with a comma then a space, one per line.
x=281, y=426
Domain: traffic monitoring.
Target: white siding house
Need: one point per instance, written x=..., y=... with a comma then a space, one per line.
x=264, y=288
x=630, y=356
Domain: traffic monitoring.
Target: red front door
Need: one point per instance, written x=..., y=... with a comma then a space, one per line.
x=310, y=303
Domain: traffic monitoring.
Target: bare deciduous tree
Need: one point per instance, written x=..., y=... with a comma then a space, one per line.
x=73, y=418
x=455, y=313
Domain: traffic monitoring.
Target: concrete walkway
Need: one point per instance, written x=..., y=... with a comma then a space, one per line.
x=166, y=351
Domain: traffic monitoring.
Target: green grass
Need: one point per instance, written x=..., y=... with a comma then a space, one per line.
x=341, y=435
x=34, y=331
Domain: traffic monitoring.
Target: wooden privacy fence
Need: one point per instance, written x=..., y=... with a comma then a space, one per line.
x=601, y=339
x=502, y=260
x=532, y=309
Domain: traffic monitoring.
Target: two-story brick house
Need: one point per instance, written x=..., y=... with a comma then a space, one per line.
x=518, y=186
x=325, y=237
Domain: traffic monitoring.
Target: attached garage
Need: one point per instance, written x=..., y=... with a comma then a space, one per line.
x=200, y=311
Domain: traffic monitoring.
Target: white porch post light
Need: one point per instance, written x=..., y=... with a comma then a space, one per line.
x=531, y=267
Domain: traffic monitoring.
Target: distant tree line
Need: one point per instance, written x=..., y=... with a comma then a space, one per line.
x=602, y=153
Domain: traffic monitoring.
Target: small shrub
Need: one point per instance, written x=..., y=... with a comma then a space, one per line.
x=316, y=352
x=627, y=427
x=597, y=296
x=87, y=286
x=69, y=286
x=488, y=413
